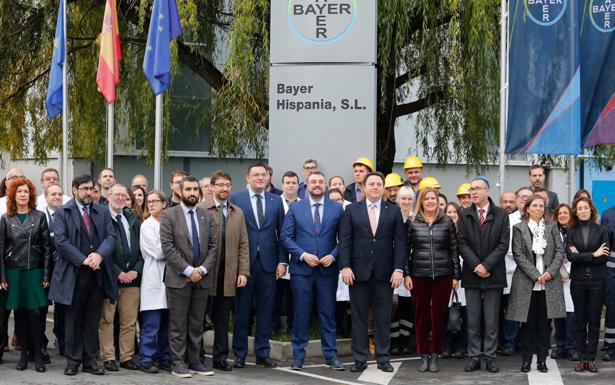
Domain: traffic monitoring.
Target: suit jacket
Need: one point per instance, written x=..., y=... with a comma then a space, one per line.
x=526, y=274
x=135, y=261
x=236, y=253
x=263, y=240
x=584, y=261
x=608, y=221
x=350, y=194
x=177, y=245
x=365, y=252
x=299, y=236
x=67, y=227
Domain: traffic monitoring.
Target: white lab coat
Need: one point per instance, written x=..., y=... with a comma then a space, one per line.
x=153, y=290
x=511, y=265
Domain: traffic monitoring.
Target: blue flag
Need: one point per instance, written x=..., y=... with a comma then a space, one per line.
x=54, y=90
x=164, y=26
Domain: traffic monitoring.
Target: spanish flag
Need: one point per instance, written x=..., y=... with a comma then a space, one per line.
x=108, y=75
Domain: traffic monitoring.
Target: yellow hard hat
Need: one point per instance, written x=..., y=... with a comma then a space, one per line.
x=365, y=162
x=392, y=180
x=464, y=189
x=412, y=162
x=429, y=181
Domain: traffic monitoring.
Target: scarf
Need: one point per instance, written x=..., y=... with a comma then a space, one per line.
x=539, y=243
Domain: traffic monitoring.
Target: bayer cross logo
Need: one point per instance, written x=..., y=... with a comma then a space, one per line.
x=321, y=21
x=602, y=15
x=545, y=12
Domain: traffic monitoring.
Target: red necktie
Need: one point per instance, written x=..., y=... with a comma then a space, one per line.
x=86, y=220
x=481, y=216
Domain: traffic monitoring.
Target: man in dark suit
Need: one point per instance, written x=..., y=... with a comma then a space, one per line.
x=264, y=215
x=83, y=274
x=372, y=248
x=188, y=240
x=536, y=174
x=483, y=238
x=309, y=234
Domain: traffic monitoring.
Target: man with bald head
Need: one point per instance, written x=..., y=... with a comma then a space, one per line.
x=11, y=176
x=49, y=176
x=508, y=201
x=141, y=181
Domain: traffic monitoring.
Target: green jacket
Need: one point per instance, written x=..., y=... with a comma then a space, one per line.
x=134, y=261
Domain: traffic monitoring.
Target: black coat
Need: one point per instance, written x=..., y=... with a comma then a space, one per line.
x=25, y=245
x=366, y=253
x=350, y=194
x=486, y=245
x=584, y=261
x=432, y=251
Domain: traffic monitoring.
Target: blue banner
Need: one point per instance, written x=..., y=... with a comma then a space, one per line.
x=54, y=89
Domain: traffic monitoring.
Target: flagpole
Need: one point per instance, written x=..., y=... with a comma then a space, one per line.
x=110, y=114
x=158, y=143
x=503, y=94
x=572, y=178
x=64, y=160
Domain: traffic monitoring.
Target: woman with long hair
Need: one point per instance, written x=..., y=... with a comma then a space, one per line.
x=432, y=270
x=137, y=195
x=588, y=250
x=24, y=268
x=536, y=293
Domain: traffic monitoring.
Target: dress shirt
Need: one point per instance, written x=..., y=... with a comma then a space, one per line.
x=188, y=270
x=41, y=202
x=485, y=207
x=357, y=192
x=124, y=223
x=378, y=204
x=320, y=212
x=80, y=206
x=224, y=208
x=253, y=203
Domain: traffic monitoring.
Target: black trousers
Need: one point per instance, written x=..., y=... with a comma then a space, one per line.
x=535, y=334
x=82, y=324
x=588, y=297
x=377, y=295
x=221, y=312
x=30, y=328
x=59, y=322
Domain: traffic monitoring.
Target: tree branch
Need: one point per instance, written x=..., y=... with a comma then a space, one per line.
x=201, y=66
x=418, y=105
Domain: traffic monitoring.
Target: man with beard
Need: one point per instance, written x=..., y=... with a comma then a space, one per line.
x=83, y=275
x=187, y=276
x=508, y=201
x=176, y=192
x=106, y=178
x=309, y=234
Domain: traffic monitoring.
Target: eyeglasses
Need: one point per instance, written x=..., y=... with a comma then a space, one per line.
x=227, y=185
x=152, y=201
x=16, y=177
x=310, y=167
x=85, y=188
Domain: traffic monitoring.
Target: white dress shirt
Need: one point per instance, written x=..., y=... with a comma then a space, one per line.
x=124, y=223
x=188, y=271
x=253, y=200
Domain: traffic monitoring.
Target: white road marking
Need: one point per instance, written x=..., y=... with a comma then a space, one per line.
x=376, y=376
x=300, y=373
x=369, y=362
x=552, y=377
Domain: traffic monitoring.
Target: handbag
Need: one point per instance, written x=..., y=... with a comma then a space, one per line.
x=453, y=325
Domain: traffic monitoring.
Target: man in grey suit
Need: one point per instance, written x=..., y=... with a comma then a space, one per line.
x=188, y=241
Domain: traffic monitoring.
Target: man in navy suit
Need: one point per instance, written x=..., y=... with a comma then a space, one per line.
x=372, y=248
x=309, y=234
x=83, y=275
x=264, y=215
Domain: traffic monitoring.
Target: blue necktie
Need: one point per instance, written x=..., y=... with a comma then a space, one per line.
x=196, y=248
x=316, y=218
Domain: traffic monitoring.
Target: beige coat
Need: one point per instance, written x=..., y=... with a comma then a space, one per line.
x=236, y=255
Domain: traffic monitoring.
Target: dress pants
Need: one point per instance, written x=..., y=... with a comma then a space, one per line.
x=82, y=321
x=535, y=334
x=59, y=321
x=485, y=302
x=565, y=332
x=259, y=290
x=154, y=344
x=128, y=310
x=305, y=289
x=186, y=313
x=588, y=297
x=609, y=322
x=430, y=297
x=508, y=329
x=221, y=313
x=376, y=295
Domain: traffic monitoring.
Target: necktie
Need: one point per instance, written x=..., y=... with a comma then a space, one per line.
x=86, y=220
x=372, y=218
x=50, y=222
x=259, y=210
x=481, y=216
x=196, y=248
x=124, y=238
x=316, y=218
x=222, y=222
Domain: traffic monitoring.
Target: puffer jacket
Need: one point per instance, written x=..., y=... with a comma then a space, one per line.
x=26, y=245
x=432, y=251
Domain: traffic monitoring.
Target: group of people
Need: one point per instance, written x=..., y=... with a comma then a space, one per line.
x=395, y=254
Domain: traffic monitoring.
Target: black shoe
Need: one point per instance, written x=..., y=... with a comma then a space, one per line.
x=526, y=366
x=22, y=364
x=473, y=365
x=239, y=363
x=200, y=369
x=385, y=366
x=130, y=365
x=296, y=365
x=265, y=362
x=459, y=354
x=446, y=354
x=71, y=370
x=149, y=368
x=110, y=366
x=394, y=351
x=433, y=363
x=358, y=366
x=492, y=366
x=335, y=364
x=573, y=355
x=40, y=367
x=222, y=365
x=507, y=351
x=46, y=356
x=558, y=354
x=405, y=350
x=424, y=366
x=609, y=356
x=542, y=367
x=96, y=370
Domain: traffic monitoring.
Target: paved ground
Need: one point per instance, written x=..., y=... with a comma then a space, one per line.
x=560, y=372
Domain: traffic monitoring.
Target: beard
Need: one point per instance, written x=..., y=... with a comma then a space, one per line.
x=190, y=200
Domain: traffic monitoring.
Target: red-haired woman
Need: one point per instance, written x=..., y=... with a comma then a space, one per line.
x=24, y=267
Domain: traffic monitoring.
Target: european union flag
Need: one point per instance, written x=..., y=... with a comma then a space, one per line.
x=54, y=90
x=164, y=26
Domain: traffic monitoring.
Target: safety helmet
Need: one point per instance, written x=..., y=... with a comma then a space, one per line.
x=365, y=162
x=392, y=180
x=464, y=189
x=429, y=181
x=412, y=162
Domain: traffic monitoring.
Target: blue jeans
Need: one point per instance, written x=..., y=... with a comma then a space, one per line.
x=154, y=336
